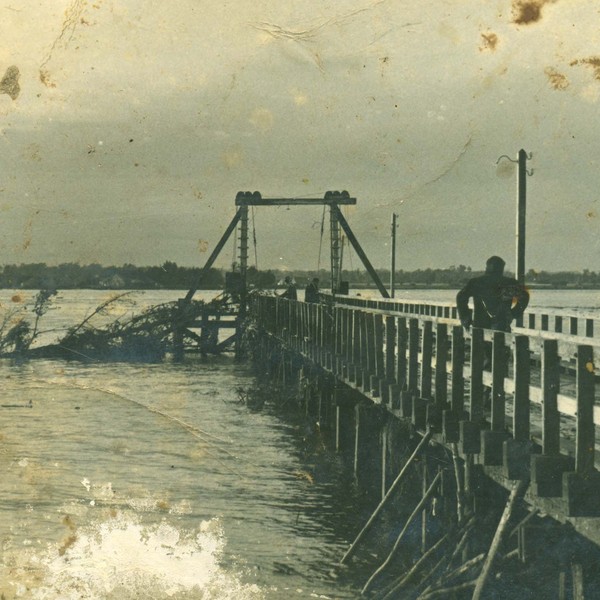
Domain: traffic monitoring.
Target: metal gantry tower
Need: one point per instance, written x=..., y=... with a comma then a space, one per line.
x=338, y=223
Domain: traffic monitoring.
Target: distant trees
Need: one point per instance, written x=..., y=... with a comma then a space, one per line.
x=94, y=276
x=170, y=275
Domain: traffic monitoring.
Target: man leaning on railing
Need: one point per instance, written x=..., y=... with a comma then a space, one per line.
x=497, y=299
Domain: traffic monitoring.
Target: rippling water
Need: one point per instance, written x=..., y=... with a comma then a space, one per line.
x=155, y=481
x=128, y=481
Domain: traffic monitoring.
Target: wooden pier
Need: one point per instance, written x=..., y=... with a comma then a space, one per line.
x=518, y=406
x=447, y=417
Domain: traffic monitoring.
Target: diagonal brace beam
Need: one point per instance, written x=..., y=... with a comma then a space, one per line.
x=214, y=255
x=359, y=251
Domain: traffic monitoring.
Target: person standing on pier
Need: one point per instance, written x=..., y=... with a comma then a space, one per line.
x=290, y=289
x=311, y=293
x=497, y=299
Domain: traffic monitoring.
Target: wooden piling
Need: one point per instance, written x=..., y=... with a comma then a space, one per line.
x=498, y=411
x=585, y=435
x=441, y=362
x=426, y=357
x=413, y=355
x=401, y=364
x=379, y=360
x=390, y=349
x=476, y=392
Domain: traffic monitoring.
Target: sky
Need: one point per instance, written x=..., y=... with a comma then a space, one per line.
x=128, y=127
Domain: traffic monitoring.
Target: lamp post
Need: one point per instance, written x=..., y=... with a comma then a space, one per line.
x=393, y=256
x=522, y=172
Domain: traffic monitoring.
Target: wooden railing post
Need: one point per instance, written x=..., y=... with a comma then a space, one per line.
x=434, y=418
x=573, y=325
x=364, y=349
x=522, y=370
x=295, y=307
x=498, y=411
x=547, y=468
x=350, y=343
x=492, y=441
x=458, y=363
x=558, y=324
x=420, y=403
x=517, y=450
x=338, y=331
x=379, y=365
x=470, y=431
x=452, y=416
x=441, y=365
x=401, y=364
x=589, y=328
x=413, y=355
x=585, y=435
x=581, y=489
x=356, y=357
x=314, y=347
x=305, y=326
x=390, y=349
x=426, y=356
x=550, y=377
x=369, y=340
x=477, y=360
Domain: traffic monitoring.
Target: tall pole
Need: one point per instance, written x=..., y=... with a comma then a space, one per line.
x=334, y=240
x=521, y=214
x=243, y=257
x=393, y=257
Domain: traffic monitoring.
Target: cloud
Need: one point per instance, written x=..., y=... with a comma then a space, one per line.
x=395, y=102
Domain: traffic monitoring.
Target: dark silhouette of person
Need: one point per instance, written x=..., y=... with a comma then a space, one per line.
x=497, y=299
x=290, y=289
x=311, y=293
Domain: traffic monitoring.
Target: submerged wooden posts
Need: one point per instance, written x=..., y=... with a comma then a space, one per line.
x=392, y=489
x=426, y=496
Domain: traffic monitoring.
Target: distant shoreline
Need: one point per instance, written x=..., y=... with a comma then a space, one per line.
x=415, y=286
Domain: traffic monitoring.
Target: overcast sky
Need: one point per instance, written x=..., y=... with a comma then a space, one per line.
x=127, y=127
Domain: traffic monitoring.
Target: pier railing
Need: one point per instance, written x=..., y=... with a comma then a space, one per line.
x=536, y=320
x=523, y=403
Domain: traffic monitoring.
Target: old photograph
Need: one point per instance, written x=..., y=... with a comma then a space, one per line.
x=299, y=299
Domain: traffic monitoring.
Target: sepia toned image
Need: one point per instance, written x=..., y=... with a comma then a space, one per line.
x=299, y=299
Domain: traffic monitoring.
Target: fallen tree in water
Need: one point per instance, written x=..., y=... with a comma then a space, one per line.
x=146, y=336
